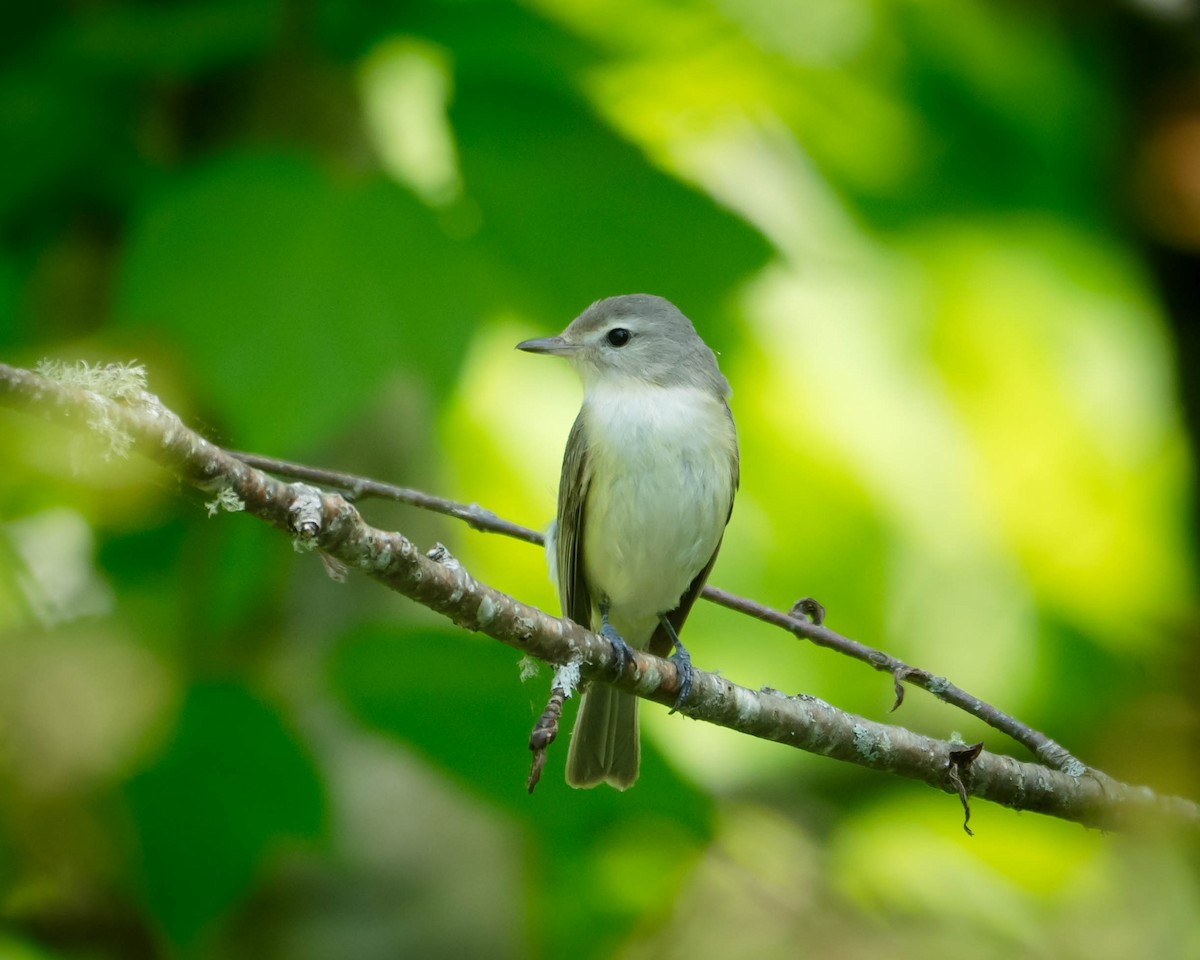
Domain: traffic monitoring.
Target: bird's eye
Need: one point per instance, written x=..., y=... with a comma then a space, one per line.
x=618, y=336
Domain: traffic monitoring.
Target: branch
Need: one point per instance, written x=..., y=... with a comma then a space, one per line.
x=329, y=522
x=795, y=622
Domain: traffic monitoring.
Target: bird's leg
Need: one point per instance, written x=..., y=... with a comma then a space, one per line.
x=622, y=650
x=683, y=663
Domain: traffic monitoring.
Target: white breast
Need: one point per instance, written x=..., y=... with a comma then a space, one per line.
x=661, y=484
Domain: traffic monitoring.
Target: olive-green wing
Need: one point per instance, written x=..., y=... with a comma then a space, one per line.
x=573, y=593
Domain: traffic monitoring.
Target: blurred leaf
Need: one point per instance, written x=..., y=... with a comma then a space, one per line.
x=295, y=296
x=229, y=579
x=1003, y=132
x=442, y=692
x=580, y=214
x=502, y=39
x=1090, y=501
x=233, y=783
x=175, y=38
x=13, y=949
x=51, y=128
x=455, y=699
x=483, y=36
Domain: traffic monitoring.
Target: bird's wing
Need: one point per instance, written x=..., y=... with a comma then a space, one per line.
x=660, y=642
x=573, y=593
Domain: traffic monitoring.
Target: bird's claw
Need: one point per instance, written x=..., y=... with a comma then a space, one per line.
x=622, y=651
x=683, y=669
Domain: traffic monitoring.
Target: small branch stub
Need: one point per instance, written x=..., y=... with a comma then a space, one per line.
x=439, y=553
x=544, y=733
x=898, y=678
x=960, y=767
x=545, y=730
x=810, y=609
x=305, y=515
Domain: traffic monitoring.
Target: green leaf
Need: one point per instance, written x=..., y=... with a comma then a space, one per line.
x=294, y=297
x=233, y=782
x=54, y=130
x=566, y=201
x=457, y=701
x=176, y=38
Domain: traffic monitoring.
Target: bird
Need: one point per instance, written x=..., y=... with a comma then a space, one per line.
x=649, y=475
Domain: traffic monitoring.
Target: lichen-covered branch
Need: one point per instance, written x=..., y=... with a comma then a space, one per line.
x=327, y=521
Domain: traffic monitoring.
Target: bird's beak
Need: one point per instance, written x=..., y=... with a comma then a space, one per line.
x=555, y=346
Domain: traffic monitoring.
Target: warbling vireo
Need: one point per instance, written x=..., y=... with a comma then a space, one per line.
x=647, y=486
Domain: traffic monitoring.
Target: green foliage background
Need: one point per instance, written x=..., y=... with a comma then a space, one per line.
x=323, y=226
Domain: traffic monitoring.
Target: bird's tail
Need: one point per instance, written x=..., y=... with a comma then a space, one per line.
x=605, y=744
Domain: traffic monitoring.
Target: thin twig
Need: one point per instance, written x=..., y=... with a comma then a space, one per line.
x=360, y=488
x=1040, y=745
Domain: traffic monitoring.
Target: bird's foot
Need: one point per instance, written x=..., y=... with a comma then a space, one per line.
x=622, y=650
x=683, y=665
